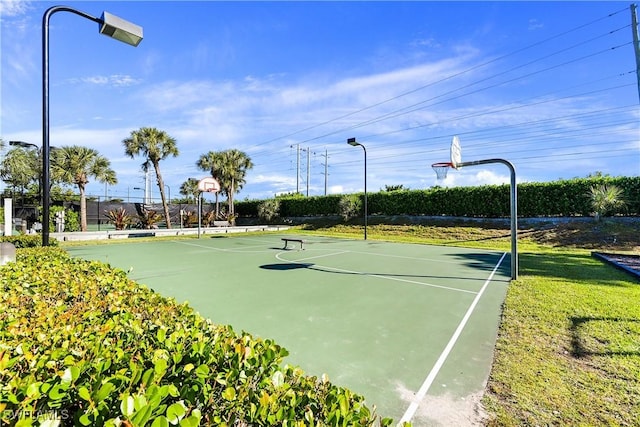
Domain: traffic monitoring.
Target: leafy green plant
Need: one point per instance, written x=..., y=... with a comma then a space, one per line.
x=148, y=219
x=208, y=218
x=119, y=218
x=83, y=344
x=605, y=199
x=349, y=206
x=190, y=219
x=27, y=241
x=269, y=210
x=71, y=218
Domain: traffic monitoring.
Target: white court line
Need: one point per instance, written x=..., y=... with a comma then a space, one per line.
x=378, y=276
x=442, y=261
x=413, y=407
x=222, y=250
x=315, y=257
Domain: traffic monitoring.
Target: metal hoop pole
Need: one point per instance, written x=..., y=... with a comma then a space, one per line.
x=514, y=209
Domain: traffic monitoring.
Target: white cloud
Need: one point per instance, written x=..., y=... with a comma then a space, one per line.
x=13, y=7
x=335, y=189
x=115, y=80
x=467, y=177
x=534, y=24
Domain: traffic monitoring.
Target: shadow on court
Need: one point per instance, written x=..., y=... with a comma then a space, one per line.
x=297, y=266
x=482, y=261
x=285, y=266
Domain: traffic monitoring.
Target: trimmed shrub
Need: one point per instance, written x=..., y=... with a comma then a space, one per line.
x=535, y=199
x=27, y=240
x=83, y=344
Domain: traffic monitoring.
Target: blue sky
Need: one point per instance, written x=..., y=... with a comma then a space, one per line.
x=550, y=86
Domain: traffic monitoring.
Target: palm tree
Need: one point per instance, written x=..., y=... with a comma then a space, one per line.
x=189, y=188
x=154, y=145
x=605, y=199
x=212, y=162
x=235, y=164
x=75, y=164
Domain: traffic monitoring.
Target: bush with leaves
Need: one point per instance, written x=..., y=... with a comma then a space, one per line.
x=208, y=218
x=83, y=344
x=27, y=241
x=269, y=210
x=71, y=218
x=148, y=219
x=349, y=206
x=606, y=199
x=119, y=218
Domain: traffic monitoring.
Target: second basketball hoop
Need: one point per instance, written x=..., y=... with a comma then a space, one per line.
x=209, y=185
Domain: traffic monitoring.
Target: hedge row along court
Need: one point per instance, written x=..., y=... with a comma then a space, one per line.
x=81, y=344
x=535, y=199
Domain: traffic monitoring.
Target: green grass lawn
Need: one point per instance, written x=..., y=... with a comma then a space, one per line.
x=568, y=351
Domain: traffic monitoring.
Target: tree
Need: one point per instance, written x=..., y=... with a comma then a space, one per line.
x=235, y=164
x=75, y=165
x=395, y=187
x=190, y=190
x=154, y=145
x=212, y=162
x=20, y=168
x=605, y=199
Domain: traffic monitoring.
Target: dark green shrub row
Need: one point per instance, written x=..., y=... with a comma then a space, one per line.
x=82, y=343
x=27, y=240
x=558, y=198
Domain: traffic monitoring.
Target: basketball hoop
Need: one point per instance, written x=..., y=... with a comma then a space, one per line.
x=441, y=169
x=209, y=185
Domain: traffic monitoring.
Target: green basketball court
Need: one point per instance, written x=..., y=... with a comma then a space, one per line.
x=411, y=327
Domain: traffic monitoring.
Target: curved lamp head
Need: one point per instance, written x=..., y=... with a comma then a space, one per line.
x=120, y=29
x=352, y=142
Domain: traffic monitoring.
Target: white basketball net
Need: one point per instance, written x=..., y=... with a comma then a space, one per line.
x=441, y=170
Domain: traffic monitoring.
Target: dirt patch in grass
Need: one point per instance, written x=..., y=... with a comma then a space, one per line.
x=606, y=235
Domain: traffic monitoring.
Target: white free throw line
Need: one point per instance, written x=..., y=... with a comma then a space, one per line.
x=413, y=407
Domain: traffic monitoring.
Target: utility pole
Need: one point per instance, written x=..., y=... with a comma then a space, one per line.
x=297, y=168
x=326, y=169
x=308, y=150
x=636, y=42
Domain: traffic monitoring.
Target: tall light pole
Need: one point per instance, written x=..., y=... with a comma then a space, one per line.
x=353, y=143
x=109, y=25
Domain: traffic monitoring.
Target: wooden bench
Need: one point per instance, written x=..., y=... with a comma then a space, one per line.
x=286, y=241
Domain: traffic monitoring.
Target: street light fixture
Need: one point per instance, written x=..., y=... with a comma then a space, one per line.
x=109, y=25
x=353, y=143
x=24, y=144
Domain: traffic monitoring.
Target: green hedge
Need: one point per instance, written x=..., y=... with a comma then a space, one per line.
x=559, y=198
x=27, y=240
x=82, y=343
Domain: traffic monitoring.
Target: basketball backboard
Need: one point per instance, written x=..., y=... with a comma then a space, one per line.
x=209, y=185
x=456, y=152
